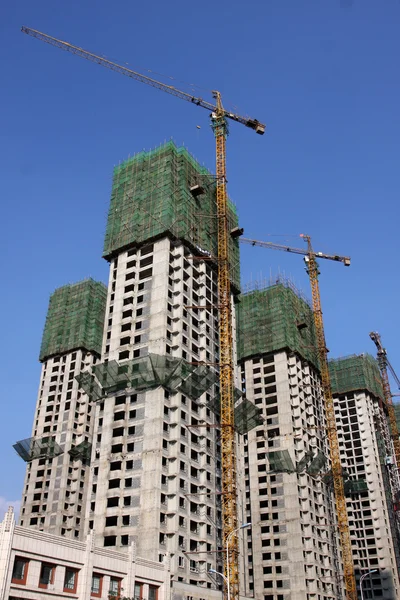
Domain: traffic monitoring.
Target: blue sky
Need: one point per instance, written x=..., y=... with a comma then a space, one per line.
x=322, y=75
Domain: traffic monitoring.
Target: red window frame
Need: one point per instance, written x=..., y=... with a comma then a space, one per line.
x=97, y=594
x=53, y=570
x=73, y=590
x=155, y=588
x=118, y=596
x=26, y=567
x=138, y=584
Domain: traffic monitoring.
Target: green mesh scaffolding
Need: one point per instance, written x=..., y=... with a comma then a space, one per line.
x=151, y=197
x=90, y=386
x=317, y=465
x=356, y=373
x=276, y=318
x=247, y=416
x=305, y=461
x=82, y=451
x=280, y=462
x=355, y=486
x=75, y=319
x=146, y=373
x=31, y=448
x=199, y=381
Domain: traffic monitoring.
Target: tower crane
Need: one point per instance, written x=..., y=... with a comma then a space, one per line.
x=337, y=473
x=219, y=123
x=384, y=366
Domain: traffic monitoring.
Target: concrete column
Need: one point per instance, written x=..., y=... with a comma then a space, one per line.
x=6, y=538
x=85, y=578
x=129, y=590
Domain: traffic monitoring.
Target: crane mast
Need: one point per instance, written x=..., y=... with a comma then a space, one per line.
x=219, y=118
x=228, y=445
x=384, y=364
x=337, y=474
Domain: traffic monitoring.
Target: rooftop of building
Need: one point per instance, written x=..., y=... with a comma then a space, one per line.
x=357, y=372
x=151, y=197
x=75, y=319
x=274, y=316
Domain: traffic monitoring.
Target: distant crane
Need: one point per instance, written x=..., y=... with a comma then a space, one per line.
x=337, y=472
x=219, y=124
x=384, y=365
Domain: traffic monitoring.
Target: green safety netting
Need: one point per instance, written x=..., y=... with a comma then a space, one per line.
x=90, y=386
x=355, y=373
x=276, y=318
x=327, y=478
x=145, y=373
x=316, y=465
x=215, y=402
x=247, y=416
x=355, y=486
x=32, y=448
x=111, y=376
x=199, y=381
x=143, y=376
x=171, y=371
x=151, y=197
x=305, y=461
x=280, y=462
x=82, y=451
x=75, y=319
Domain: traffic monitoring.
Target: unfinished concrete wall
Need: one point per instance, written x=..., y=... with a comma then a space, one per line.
x=156, y=468
x=290, y=553
x=56, y=488
x=367, y=506
x=56, y=482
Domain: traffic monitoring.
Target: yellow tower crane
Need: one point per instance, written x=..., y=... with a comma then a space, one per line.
x=219, y=124
x=343, y=524
x=384, y=365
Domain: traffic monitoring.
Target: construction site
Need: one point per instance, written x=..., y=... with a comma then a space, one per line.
x=191, y=439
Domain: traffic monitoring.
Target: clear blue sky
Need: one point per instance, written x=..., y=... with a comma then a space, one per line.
x=324, y=77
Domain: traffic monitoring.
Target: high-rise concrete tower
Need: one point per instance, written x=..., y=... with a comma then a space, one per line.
x=156, y=468
x=58, y=453
x=291, y=551
x=369, y=467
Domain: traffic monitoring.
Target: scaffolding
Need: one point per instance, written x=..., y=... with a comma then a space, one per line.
x=32, y=448
x=75, y=319
x=151, y=197
x=355, y=486
x=276, y=317
x=90, y=386
x=147, y=373
x=173, y=374
x=82, y=451
x=356, y=373
x=247, y=416
x=317, y=464
x=280, y=462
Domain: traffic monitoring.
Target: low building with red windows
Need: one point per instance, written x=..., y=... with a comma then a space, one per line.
x=35, y=565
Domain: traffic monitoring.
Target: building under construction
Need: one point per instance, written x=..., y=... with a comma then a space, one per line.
x=56, y=487
x=125, y=445
x=292, y=550
x=370, y=472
